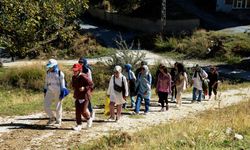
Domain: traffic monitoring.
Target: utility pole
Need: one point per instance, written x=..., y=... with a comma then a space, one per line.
x=163, y=16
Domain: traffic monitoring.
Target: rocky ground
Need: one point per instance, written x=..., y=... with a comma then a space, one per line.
x=30, y=132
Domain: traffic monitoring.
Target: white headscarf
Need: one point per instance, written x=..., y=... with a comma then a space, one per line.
x=118, y=69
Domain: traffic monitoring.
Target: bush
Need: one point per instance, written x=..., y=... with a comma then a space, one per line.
x=28, y=77
x=202, y=45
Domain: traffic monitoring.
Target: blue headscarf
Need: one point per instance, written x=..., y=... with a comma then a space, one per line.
x=85, y=66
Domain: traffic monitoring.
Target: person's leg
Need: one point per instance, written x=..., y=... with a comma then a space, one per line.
x=59, y=112
x=112, y=110
x=47, y=107
x=138, y=104
x=178, y=98
x=199, y=95
x=86, y=113
x=119, y=112
x=147, y=103
x=215, y=91
x=194, y=94
x=209, y=91
x=90, y=107
x=85, y=110
x=132, y=101
x=175, y=91
x=161, y=100
x=78, y=111
x=166, y=100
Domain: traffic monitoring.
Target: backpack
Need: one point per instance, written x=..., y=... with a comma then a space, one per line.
x=64, y=91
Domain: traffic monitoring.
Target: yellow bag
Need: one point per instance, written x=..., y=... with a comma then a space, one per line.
x=106, y=106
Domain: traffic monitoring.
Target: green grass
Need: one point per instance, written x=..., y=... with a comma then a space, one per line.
x=195, y=46
x=205, y=131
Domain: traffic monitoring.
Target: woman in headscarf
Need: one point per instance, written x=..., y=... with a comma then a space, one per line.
x=86, y=69
x=54, y=89
x=129, y=74
x=117, y=91
x=143, y=88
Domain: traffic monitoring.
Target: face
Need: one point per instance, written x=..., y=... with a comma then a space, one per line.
x=50, y=69
x=142, y=70
x=75, y=73
x=116, y=74
x=161, y=69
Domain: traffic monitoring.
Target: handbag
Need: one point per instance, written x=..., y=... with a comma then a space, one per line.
x=119, y=88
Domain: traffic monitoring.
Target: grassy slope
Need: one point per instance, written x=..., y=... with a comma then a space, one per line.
x=204, y=131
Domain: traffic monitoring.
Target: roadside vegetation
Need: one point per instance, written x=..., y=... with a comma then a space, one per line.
x=212, y=129
x=216, y=46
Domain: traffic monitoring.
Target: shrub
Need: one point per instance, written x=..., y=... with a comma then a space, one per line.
x=28, y=77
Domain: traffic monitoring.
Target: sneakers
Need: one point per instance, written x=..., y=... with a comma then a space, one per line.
x=92, y=115
x=162, y=109
x=51, y=121
x=111, y=119
x=172, y=99
x=89, y=122
x=77, y=128
x=58, y=124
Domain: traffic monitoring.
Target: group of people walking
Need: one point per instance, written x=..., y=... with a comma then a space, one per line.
x=124, y=84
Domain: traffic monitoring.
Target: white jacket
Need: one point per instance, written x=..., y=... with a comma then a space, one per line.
x=54, y=83
x=114, y=95
x=197, y=81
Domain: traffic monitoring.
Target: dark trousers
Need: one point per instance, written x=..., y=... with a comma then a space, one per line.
x=81, y=109
x=90, y=107
x=174, y=91
x=163, y=98
x=210, y=89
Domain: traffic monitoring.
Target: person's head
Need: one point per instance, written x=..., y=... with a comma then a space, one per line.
x=83, y=61
x=212, y=69
x=117, y=71
x=175, y=65
x=51, y=65
x=128, y=67
x=143, y=63
x=197, y=68
x=180, y=67
x=163, y=69
x=77, y=68
x=144, y=69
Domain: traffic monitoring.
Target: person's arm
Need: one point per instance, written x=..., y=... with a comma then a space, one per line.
x=62, y=81
x=110, y=85
x=45, y=85
x=126, y=85
x=89, y=84
x=204, y=74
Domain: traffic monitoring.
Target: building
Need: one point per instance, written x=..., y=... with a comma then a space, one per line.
x=229, y=6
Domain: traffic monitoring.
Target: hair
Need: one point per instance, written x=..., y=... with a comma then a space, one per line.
x=181, y=68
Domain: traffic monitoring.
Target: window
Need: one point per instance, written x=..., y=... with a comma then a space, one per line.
x=237, y=4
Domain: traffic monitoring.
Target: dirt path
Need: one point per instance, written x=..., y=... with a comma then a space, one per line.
x=30, y=132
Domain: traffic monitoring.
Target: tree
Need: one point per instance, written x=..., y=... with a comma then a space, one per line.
x=27, y=27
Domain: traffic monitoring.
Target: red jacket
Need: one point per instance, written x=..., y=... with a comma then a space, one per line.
x=79, y=81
